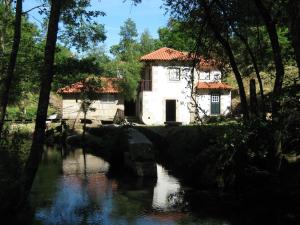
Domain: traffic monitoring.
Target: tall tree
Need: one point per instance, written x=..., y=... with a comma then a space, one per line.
x=47, y=75
x=175, y=35
x=147, y=43
x=294, y=23
x=57, y=8
x=272, y=31
x=126, y=63
x=12, y=63
x=127, y=49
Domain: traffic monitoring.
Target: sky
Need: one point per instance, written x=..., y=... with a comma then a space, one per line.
x=148, y=15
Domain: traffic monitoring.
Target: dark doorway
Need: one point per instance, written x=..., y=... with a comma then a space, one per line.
x=215, y=103
x=170, y=110
x=129, y=108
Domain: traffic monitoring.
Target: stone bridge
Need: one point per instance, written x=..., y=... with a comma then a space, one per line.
x=124, y=148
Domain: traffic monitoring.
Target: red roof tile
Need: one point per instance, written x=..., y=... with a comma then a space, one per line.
x=168, y=54
x=109, y=87
x=165, y=54
x=213, y=86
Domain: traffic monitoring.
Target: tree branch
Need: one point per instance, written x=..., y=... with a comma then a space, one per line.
x=36, y=7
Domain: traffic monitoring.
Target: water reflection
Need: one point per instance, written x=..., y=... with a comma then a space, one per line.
x=75, y=190
x=166, y=191
x=78, y=163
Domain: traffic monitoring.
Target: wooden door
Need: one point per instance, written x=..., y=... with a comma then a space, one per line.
x=215, y=103
x=170, y=110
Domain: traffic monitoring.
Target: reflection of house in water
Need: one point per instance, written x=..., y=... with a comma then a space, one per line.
x=75, y=163
x=166, y=190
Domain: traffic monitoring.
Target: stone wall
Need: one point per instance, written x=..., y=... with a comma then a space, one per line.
x=105, y=107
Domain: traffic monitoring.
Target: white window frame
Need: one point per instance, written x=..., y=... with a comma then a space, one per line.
x=206, y=76
x=215, y=98
x=171, y=76
x=217, y=77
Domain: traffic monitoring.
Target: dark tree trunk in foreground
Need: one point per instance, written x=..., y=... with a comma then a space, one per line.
x=236, y=72
x=47, y=76
x=232, y=60
x=294, y=15
x=251, y=54
x=276, y=154
x=12, y=64
x=255, y=65
x=271, y=28
x=253, y=99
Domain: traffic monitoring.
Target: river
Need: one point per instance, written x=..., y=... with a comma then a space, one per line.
x=74, y=188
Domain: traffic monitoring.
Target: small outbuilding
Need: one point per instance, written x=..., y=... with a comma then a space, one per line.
x=106, y=100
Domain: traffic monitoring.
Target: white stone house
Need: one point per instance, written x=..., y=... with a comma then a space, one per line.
x=167, y=93
x=106, y=101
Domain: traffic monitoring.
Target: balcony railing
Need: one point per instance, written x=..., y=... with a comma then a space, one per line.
x=146, y=85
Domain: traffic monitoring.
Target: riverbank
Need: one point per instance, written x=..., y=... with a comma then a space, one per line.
x=224, y=163
x=227, y=164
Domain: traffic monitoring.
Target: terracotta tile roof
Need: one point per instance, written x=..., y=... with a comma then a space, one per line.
x=109, y=87
x=169, y=54
x=165, y=54
x=213, y=86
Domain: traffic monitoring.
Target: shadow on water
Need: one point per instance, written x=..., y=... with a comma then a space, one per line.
x=72, y=187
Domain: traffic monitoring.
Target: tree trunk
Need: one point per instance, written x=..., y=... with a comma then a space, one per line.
x=84, y=128
x=253, y=99
x=294, y=16
x=232, y=61
x=275, y=155
x=254, y=62
x=47, y=76
x=12, y=64
x=253, y=59
x=236, y=72
x=271, y=28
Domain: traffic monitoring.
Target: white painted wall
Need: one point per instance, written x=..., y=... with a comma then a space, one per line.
x=103, y=110
x=204, y=101
x=151, y=106
x=154, y=102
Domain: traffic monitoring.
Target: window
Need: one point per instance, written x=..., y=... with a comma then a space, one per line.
x=186, y=72
x=108, y=98
x=174, y=74
x=215, y=98
x=217, y=77
x=203, y=75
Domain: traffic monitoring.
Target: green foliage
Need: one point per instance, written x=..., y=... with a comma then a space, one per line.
x=127, y=53
x=70, y=69
x=177, y=36
x=29, y=56
x=131, y=76
x=26, y=108
x=147, y=43
x=14, y=151
x=290, y=117
x=79, y=28
x=127, y=49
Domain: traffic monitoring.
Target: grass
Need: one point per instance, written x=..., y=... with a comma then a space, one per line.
x=27, y=108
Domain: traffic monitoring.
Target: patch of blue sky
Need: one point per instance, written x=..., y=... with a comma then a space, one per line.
x=149, y=15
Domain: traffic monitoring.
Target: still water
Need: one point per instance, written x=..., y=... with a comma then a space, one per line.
x=74, y=189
